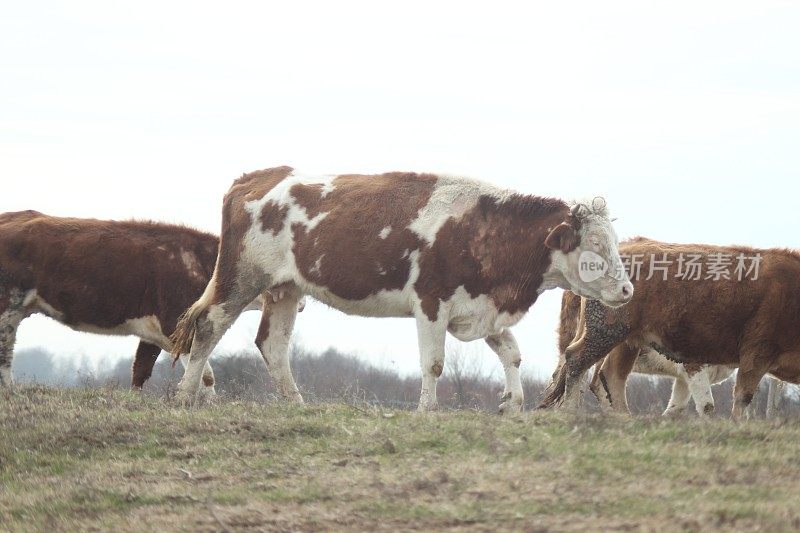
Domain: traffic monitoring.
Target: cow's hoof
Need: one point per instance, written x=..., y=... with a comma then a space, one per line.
x=296, y=399
x=207, y=396
x=674, y=412
x=184, y=399
x=510, y=406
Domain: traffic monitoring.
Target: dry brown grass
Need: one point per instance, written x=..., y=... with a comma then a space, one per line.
x=113, y=460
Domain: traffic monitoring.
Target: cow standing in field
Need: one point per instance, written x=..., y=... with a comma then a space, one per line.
x=107, y=277
x=455, y=254
x=752, y=322
x=611, y=373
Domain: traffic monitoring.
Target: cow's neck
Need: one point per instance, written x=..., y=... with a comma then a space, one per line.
x=519, y=258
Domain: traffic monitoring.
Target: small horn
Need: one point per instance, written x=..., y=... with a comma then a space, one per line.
x=575, y=210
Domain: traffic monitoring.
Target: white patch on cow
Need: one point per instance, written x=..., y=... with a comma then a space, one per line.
x=191, y=263
x=40, y=305
x=476, y=318
x=451, y=198
x=696, y=386
x=652, y=362
x=385, y=232
x=327, y=188
x=315, y=269
x=272, y=253
x=147, y=328
x=217, y=315
x=30, y=298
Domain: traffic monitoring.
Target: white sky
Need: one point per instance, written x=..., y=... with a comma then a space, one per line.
x=685, y=115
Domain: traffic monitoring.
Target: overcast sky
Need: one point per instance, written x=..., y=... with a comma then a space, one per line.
x=684, y=115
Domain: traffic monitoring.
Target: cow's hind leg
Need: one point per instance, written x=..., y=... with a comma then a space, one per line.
x=209, y=324
x=12, y=312
x=146, y=355
x=207, y=391
x=274, y=334
x=506, y=348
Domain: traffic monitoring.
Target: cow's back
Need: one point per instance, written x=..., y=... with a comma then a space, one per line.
x=704, y=319
x=102, y=273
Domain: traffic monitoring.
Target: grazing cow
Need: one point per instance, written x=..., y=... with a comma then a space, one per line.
x=715, y=317
x=107, y=277
x=611, y=373
x=455, y=254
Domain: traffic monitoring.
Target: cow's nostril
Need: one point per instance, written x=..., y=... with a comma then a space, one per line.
x=627, y=291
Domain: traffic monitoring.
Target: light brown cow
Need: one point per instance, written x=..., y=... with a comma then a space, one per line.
x=100, y=276
x=726, y=317
x=456, y=254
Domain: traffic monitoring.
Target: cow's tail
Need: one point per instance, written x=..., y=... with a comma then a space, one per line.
x=183, y=336
x=571, y=338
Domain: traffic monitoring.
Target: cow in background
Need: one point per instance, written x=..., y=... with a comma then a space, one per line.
x=716, y=319
x=100, y=276
x=455, y=254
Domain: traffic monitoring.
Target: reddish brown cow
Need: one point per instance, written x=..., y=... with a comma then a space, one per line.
x=743, y=316
x=691, y=380
x=456, y=254
x=98, y=276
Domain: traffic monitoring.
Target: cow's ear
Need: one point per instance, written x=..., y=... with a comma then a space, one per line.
x=563, y=237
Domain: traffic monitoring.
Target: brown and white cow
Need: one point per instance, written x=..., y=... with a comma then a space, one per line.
x=455, y=254
x=749, y=322
x=99, y=276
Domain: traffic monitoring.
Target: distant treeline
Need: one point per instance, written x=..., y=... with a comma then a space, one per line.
x=337, y=376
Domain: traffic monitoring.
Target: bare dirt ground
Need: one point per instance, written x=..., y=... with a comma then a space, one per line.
x=107, y=459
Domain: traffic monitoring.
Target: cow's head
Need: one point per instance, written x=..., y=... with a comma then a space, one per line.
x=585, y=257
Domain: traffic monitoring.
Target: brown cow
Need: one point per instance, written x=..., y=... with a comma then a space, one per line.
x=691, y=381
x=107, y=277
x=456, y=254
x=743, y=316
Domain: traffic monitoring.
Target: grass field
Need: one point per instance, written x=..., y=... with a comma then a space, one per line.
x=102, y=458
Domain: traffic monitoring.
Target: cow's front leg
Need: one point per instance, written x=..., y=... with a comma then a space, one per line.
x=506, y=348
x=751, y=370
x=11, y=314
x=431, y=334
x=700, y=387
x=679, y=399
